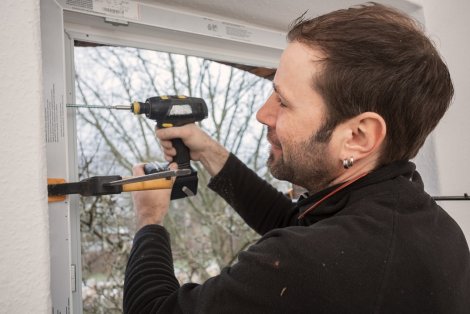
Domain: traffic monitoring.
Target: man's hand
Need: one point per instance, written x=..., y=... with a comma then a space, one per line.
x=150, y=206
x=201, y=146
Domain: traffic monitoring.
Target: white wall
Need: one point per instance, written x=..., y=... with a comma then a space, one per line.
x=24, y=238
x=448, y=24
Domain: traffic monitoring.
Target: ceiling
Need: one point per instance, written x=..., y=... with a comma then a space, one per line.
x=272, y=14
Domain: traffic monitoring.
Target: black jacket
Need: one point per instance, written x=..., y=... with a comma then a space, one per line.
x=380, y=245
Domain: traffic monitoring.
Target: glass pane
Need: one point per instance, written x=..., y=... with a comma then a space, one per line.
x=207, y=235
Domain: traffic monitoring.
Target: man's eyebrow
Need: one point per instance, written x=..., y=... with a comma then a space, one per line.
x=276, y=88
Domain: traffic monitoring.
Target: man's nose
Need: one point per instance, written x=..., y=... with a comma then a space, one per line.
x=268, y=112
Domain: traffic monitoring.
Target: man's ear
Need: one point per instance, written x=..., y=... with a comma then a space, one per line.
x=362, y=136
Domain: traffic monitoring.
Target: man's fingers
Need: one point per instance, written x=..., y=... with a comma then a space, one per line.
x=173, y=166
x=174, y=132
x=169, y=152
x=166, y=144
x=138, y=170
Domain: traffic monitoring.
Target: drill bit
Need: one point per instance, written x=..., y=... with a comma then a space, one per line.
x=117, y=107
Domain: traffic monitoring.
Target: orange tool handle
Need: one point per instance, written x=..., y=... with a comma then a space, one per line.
x=157, y=184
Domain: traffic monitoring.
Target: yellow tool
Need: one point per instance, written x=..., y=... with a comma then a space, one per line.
x=104, y=185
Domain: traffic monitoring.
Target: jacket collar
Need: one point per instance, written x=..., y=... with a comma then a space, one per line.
x=337, y=201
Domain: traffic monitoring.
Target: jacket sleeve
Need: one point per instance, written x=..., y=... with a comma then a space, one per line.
x=259, y=282
x=261, y=206
x=149, y=278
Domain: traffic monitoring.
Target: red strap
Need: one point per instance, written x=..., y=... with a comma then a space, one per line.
x=339, y=188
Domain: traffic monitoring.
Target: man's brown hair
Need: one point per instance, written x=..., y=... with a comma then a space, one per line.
x=378, y=59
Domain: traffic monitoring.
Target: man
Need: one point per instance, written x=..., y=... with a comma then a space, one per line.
x=355, y=95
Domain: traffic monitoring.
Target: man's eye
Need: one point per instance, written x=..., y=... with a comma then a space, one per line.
x=281, y=103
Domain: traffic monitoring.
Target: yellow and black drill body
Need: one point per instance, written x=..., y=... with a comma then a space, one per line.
x=170, y=111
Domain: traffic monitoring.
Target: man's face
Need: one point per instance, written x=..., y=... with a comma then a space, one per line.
x=294, y=113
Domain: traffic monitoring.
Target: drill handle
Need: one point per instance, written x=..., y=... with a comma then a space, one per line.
x=182, y=157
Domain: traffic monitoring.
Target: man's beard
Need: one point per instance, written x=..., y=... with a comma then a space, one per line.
x=306, y=163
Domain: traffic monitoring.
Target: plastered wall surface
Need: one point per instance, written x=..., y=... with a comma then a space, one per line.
x=24, y=238
x=448, y=25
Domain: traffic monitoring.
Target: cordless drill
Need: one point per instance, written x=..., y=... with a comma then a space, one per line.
x=169, y=111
